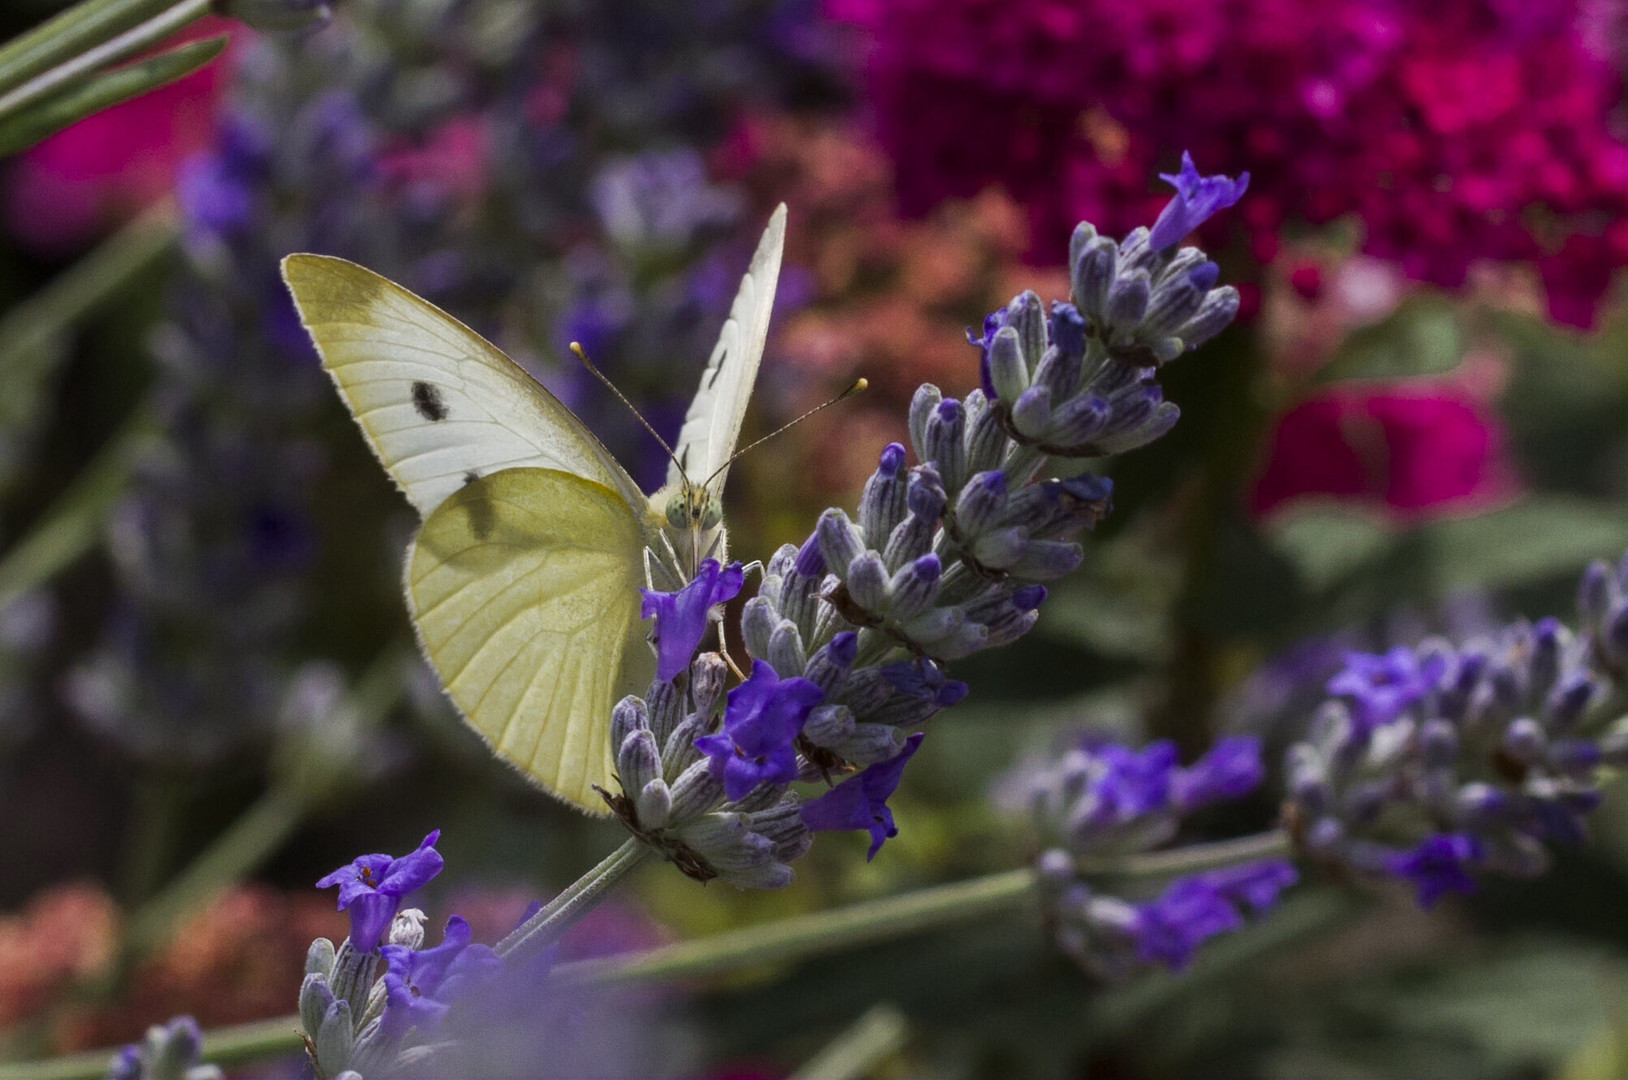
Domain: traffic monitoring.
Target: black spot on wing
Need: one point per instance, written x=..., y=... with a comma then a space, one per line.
x=482, y=517
x=428, y=401
x=470, y=477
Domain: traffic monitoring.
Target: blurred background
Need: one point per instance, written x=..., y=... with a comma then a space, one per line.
x=209, y=695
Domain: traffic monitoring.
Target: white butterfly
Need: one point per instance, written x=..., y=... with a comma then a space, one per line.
x=523, y=582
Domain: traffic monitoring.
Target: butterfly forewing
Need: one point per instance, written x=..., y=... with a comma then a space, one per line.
x=439, y=404
x=524, y=589
x=713, y=424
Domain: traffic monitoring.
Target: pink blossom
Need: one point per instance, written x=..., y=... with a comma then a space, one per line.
x=1419, y=448
x=1455, y=131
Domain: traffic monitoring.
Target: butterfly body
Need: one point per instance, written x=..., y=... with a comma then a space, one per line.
x=523, y=582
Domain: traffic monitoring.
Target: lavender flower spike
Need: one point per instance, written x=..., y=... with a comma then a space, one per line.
x=372, y=888
x=681, y=617
x=860, y=802
x=1197, y=197
x=764, y=716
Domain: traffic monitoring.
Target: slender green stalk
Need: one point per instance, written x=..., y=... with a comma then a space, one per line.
x=1191, y=859
x=120, y=47
x=558, y=916
x=816, y=933
x=73, y=525
x=59, y=39
x=869, y=1041
x=247, y=842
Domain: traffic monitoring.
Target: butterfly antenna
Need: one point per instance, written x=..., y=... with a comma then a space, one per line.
x=858, y=385
x=582, y=354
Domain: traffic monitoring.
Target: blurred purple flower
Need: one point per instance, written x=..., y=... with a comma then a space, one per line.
x=421, y=985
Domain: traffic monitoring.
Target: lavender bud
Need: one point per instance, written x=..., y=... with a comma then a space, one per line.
x=914, y=587
x=829, y=725
x=1614, y=745
x=986, y=438
x=1060, y=371
x=708, y=674
x=1150, y=429
x=1026, y=314
x=828, y=667
x=1326, y=837
x=926, y=497
x=335, y=1039
x=922, y=405
x=1570, y=700
x=944, y=445
x=882, y=506
x=839, y=541
x=1480, y=806
x=666, y=707
x=1055, y=867
x=695, y=791
x=653, y=806
x=1001, y=549
x=1128, y=299
x=628, y=716
x=1093, y=271
x=1031, y=412
x=810, y=561
x=1215, y=314
x=1594, y=593
x=758, y=622
x=980, y=502
x=1549, y=639
x=1577, y=758
x=1048, y=559
x=638, y=761
x=315, y=998
x=1525, y=740
x=786, y=649
x=1079, y=421
x=1007, y=371
x=319, y=958
x=872, y=743
x=1439, y=744
x=1174, y=302
x=868, y=583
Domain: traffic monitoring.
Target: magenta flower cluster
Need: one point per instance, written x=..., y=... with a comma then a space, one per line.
x=1455, y=130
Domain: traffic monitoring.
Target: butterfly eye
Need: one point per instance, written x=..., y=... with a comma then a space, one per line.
x=712, y=515
x=678, y=513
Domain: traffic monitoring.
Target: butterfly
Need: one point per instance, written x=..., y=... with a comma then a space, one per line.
x=523, y=581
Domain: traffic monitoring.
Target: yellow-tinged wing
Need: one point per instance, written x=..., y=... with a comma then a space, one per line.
x=524, y=588
x=439, y=404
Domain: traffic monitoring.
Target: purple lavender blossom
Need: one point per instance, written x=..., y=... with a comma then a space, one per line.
x=681, y=617
x=1383, y=686
x=1230, y=770
x=1197, y=197
x=860, y=802
x=1194, y=909
x=422, y=984
x=372, y=888
x=764, y=716
x=1439, y=865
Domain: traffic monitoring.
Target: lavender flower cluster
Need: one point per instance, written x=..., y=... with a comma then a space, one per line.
x=1098, y=799
x=850, y=634
x=1441, y=761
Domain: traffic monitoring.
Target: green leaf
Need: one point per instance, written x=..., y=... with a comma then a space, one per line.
x=1539, y=537
x=55, y=113
x=83, y=26
x=1328, y=543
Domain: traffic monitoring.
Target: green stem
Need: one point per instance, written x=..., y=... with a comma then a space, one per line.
x=73, y=525
x=558, y=916
x=251, y=838
x=819, y=932
x=68, y=34
x=869, y=1041
x=110, y=52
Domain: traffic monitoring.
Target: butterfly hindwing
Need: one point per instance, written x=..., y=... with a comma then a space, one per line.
x=524, y=589
x=437, y=402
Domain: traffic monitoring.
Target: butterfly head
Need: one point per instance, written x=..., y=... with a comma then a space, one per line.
x=695, y=509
